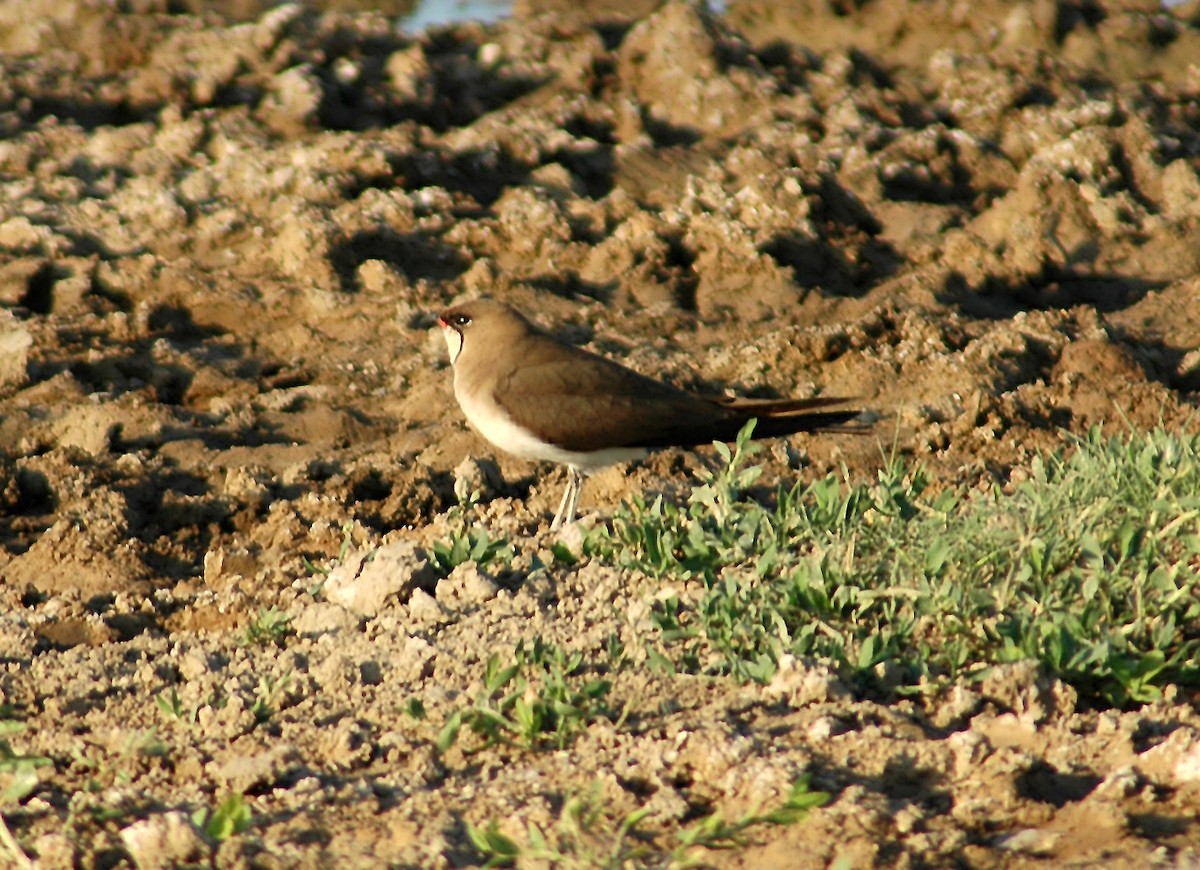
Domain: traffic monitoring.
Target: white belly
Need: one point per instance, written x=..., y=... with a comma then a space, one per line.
x=496, y=426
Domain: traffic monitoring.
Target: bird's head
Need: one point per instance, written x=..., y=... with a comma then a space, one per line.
x=479, y=326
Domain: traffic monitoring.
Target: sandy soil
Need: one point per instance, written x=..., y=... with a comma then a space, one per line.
x=220, y=244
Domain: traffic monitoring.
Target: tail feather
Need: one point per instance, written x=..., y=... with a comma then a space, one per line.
x=771, y=407
x=786, y=416
x=775, y=417
x=772, y=425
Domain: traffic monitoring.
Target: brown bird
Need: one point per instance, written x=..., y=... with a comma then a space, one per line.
x=535, y=397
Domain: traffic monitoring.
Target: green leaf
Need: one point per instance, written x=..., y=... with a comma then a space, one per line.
x=658, y=662
x=490, y=843
x=449, y=733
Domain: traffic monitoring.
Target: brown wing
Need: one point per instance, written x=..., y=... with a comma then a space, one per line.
x=585, y=402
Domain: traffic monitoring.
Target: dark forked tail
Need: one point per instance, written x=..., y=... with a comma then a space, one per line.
x=720, y=419
x=772, y=426
x=787, y=416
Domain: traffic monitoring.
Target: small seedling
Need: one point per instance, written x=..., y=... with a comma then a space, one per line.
x=473, y=545
x=271, y=626
x=468, y=542
x=106, y=768
x=584, y=837
x=266, y=694
x=721, y=490
x=323, y=570
x=541, y=697
x=23, y=769
x=232, y=816
x=172, y=706
x=499, y=850
x=21, y=766
x=713, y=832
x=588, y=835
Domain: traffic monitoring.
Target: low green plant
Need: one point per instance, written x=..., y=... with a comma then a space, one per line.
x=583, y=837
x=271, y=626
x=172, y=706
x=473, y=545
x=1087, y=566
x=231, y=816
x=587, y=835
x=266, y=695
x=22, y=769
x=106, y=767
x=541, y=697
x=498, y=850
x=323, y=570
x=468, y=541
x=714, y=832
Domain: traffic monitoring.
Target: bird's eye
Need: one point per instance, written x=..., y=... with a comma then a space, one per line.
x=460, y=320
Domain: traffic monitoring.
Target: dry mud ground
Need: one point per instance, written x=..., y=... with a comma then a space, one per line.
x=220, y=244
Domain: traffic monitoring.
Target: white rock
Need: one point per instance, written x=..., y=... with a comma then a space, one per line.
x=15, y=341
x=166, y=840
x=466, y=585
x=366, y=580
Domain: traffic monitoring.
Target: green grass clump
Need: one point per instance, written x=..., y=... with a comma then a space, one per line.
x=18, y=773
x=271, y=627
x=468, y=541
x=542, y=697
x=1090, y=566
x=588, y=835
x=232, y=816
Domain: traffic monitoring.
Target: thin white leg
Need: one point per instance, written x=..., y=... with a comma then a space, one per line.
x=570, y=500
x=562, y=505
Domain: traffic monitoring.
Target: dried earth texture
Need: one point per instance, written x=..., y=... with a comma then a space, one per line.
x=220, y=243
